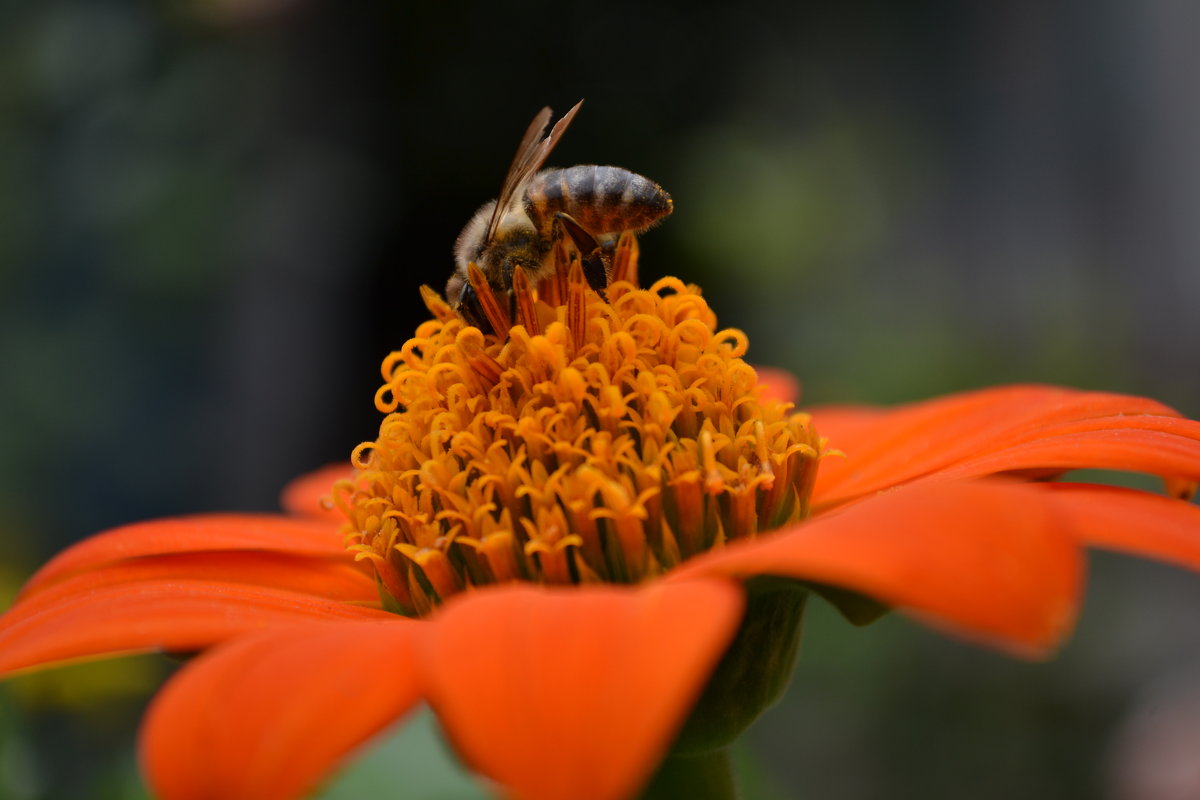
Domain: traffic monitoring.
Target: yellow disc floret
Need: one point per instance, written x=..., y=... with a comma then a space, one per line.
x=604, y=439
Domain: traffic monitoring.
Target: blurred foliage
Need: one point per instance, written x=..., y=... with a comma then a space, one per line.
x=214, y=215
x=410, y=761
x=99, y=689
x=413, y=760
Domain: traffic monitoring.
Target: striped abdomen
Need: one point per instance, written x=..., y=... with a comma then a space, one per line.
x=601, y=199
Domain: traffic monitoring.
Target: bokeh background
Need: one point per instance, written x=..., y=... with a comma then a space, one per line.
x=214, y=216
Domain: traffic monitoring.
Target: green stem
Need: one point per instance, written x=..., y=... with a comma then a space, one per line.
x=703, y=776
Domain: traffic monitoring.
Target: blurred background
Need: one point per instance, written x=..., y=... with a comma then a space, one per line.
x=214, y=216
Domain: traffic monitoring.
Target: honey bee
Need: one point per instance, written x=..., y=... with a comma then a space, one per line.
x=591, y=204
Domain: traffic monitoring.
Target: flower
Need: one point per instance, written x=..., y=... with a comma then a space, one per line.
x=587, y=545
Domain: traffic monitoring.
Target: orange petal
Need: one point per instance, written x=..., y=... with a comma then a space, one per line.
x=268, y=716
x=273, y=533
x=777, y=384
x=173, y=615
x=1131, y=522
x=333, y=579
x=847, y=425
x=1132, y=450
x=306, y=495
x=987, y=559
x=887, y=448
x=575, y=693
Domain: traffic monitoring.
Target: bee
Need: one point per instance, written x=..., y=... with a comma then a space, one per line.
x=591, y=204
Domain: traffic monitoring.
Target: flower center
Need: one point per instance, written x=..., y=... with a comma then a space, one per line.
x=602, y=439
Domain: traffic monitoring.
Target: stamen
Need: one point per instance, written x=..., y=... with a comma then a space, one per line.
x=577, y=304
x=470, y=340
x=554, y=288
x=436, y=305
x=554, y=556
x=762, y=455
x=385, y=399
x=435, y=567
x=496, y=314
x=591, y=442
x=526, y=314
x=625, y=260
x=500, y=551
x=741, y=511
x=689, y=514
x=712, y=478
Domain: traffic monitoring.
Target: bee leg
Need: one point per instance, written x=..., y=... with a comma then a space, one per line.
x=470, y=309
x=596, y=272
x=591, y=253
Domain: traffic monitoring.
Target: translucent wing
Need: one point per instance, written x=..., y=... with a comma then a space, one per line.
x=532, y=153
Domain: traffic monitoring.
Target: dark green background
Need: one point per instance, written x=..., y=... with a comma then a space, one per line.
x=214, y=217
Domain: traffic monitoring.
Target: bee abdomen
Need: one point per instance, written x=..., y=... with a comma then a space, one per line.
x=601, y=199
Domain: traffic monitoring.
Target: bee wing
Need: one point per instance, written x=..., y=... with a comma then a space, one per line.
x=532, y=153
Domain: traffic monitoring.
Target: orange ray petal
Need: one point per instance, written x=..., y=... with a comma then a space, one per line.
x=172, y=615
x=778, y=384
x=209, y=532
x=1133, y=522
x=305, y=495
x=1152, y=452
x=884, y=448
x=575, y=693
x=847, y=425
x=270, y=715
x=987, y=559
x=333, y=579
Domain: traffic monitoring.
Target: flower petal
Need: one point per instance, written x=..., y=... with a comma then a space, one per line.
x=330, y=578
x=887, y=448
x=777, y=384
x=204, y=533
x=1174, y=452
x=306, y=495
x=174, y=615
x=1129, y=521
x=987, y=559
x=575, y=693
x=848, y=425
x=268, y=716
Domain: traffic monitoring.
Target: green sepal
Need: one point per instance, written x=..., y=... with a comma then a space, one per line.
x=755, y=670
x=857, y=609
x=390, y=603
x=706, y=776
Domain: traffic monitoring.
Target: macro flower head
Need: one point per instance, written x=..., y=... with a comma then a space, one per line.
x=587, y=543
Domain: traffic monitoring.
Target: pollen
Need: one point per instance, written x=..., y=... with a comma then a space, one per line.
x=603, y=438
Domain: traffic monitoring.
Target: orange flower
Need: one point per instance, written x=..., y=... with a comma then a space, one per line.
x=587, y=545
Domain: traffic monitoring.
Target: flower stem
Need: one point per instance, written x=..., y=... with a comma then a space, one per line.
x=700, y=776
